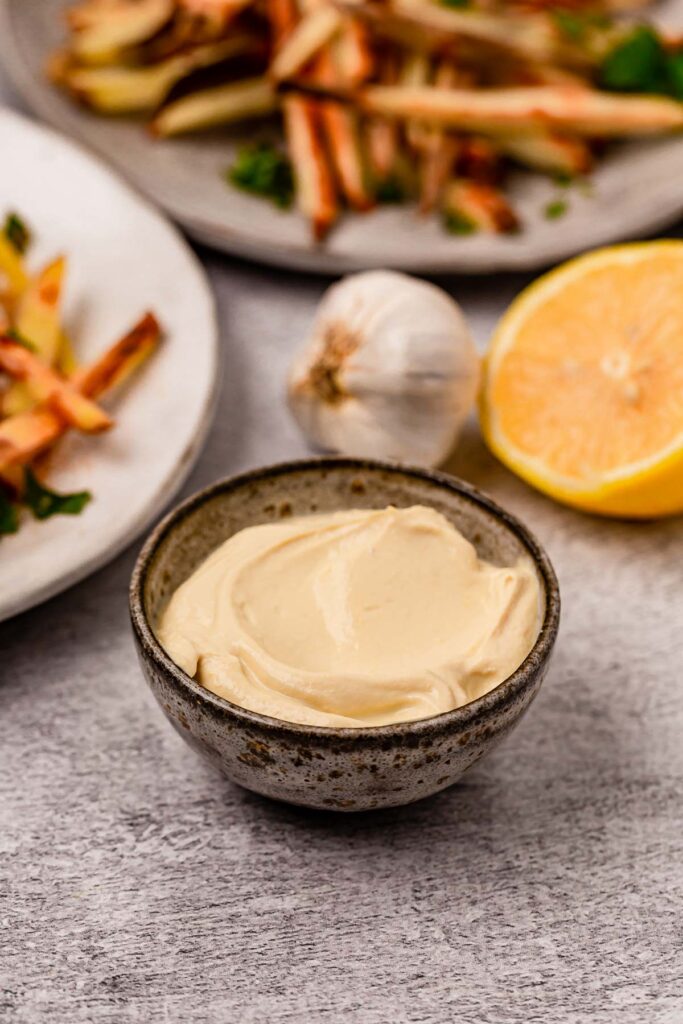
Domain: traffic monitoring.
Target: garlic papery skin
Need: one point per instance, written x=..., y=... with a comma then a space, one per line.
x=390, y=370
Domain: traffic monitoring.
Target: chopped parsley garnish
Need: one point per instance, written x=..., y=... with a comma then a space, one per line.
x=13, y=335
x=458, y=224
x=571, y=25
x=265, y=171
x=17, y=233
x=9, y=515
x=555, y=209
x=641, y=63
x=44, y=503
x=574, y=27
x=390, y=191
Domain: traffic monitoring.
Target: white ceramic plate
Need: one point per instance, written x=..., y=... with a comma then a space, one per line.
x=123, y=259
x=637, y=189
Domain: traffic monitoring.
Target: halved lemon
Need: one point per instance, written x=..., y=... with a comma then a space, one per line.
x=583, y=390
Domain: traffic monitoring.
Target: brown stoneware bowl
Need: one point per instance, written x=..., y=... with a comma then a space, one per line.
x=332, y=768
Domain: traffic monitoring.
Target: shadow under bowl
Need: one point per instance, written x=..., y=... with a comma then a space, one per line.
x=332, y=768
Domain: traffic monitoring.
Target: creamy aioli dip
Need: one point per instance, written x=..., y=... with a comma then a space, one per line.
x=352, y=618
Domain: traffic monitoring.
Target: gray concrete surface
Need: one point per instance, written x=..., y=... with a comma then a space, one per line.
x=136, y=885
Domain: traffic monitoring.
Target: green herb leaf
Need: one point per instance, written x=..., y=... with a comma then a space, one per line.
x=571, y=25
x=639, y=63
x=44, y=503
x=13, y=335
x=458, y=224
x=17, y=233
x=390, y=191
x=674, y=64
x=9, y=514
x=556, y=209
x=455, y=3
x=265, y=171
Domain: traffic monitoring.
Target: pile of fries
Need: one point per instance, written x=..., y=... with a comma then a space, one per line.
x=384, y=100
x=44, y=391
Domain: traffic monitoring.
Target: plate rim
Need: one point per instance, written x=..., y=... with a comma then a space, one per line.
x=168, y=488
x=310, y=259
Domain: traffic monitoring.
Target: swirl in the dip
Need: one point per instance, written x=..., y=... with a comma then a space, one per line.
x=352, y=618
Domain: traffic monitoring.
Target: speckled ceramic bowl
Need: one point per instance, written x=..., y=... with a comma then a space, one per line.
x=343, y=769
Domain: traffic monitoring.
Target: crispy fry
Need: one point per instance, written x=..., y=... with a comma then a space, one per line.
x=382, y=143
x=66, y=362
x=282, y=16
x=121, y=360
x=531, y=36
x=224, y=104
x=25, y=435
x=46, y=386
x=119, y=89
x=341, y=131
x=308, y=37
x=13, y=277
x=101, y=31
x=353, y=53
x=314, y=184
x=38, y=310
x=415, y=72
x=482, y=206
x=28, y=434
x=548, y=151
x=440, y=150
x=38, y=321
x=479, y=159
x=584, y=111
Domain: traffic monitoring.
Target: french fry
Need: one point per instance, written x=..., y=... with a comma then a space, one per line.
x=341, y=130
x=440, y=149
x=48, y=387
x=121, y=360
x=13, y=277
x=120, y=89
x=479, y=159
x=315, y=193
x=38, y=321
x=352, y=52
x=531, y=37
x=382, y=134
x=382, y=143
x=102, y=31
x=583, y=111
x=66, y=362
x=223, y=104
x=282, y=16
x=415, y=72
x=219, y=11
x=308, y=37
x=548, y=152
x=484, y=207
x=28, y=434
x=38, y=310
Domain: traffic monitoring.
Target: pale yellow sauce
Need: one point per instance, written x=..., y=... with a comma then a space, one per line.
x=352, y=618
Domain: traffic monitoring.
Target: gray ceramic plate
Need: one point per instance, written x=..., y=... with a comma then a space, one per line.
x=637, y=189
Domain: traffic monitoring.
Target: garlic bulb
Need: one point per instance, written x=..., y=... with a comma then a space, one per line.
x=390, y=370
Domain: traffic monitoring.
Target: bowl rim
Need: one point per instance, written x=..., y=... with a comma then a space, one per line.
x=504, y=693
